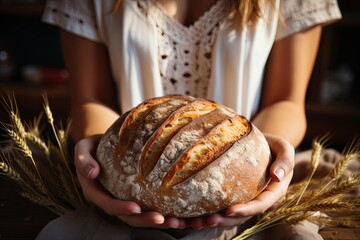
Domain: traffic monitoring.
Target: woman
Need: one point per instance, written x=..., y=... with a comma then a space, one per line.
x=121, y=53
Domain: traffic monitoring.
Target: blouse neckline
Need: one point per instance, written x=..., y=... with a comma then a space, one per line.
x=198, y=23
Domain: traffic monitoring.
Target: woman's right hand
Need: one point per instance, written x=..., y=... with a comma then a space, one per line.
x=88, y=169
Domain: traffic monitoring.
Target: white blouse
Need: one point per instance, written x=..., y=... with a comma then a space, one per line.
x=152, y=55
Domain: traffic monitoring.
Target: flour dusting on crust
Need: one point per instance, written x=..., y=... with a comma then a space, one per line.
x=237, y=175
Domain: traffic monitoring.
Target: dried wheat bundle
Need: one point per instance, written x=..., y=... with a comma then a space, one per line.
x=330, y=201
x=40, y=164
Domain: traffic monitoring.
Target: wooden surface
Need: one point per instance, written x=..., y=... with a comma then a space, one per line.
x=20, y=219
x=340, y=234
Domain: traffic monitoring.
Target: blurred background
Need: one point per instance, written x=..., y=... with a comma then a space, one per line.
x=333, y=98
x=31, y=64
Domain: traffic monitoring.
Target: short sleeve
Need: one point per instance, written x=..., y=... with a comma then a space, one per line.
x=77, y=17
x=298, y=15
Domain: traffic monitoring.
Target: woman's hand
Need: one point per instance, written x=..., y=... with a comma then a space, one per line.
x=281, y=172
x=87, y=170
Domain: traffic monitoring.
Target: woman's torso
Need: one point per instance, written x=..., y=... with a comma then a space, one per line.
x=237, y=56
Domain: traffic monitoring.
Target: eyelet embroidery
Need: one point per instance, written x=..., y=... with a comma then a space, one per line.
x=185, y=52
x=308, y=8
x=66, y=15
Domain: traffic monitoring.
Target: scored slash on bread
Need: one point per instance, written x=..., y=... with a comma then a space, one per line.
x=160, y=137
x=134, y=132
x=183, y=157
x=207, y=149
x=187, y=136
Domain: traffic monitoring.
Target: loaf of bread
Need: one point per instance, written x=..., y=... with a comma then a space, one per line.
x=183, y=157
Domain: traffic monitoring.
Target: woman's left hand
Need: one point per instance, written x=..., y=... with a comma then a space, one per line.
x=281, y=172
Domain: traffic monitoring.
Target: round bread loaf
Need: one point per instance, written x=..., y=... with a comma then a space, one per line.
x=183, y=157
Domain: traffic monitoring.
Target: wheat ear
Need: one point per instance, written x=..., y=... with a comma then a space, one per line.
x=9, y=171
x=350, y=153
x=50, y=118
x=314, y=163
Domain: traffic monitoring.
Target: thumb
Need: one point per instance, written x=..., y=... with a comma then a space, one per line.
x=284, y=153
x=85, y=163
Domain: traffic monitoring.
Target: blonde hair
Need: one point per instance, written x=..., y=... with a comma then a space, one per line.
x=250, y=11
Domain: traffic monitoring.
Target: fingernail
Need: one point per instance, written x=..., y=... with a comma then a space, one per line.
x=182, y=226
x=173, y=226
x=135, y=211
x=159, y=221
x=89, y=170
x=214, y=225
x=279, y=173
x=231, y=214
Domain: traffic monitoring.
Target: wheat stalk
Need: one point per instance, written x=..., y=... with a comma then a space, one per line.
x=334, y=204
x=61, y=144
x=314, y=163
x=38, y=142
x=302, y=203
x=28, y=180
x=341, y=186
x=68, y=191
x=9, y=172
x=17, y=123
x=31, y=176
x=351, y=222
x=22, y=145
x=43, y=201
x=30, y=173
x=350, y=153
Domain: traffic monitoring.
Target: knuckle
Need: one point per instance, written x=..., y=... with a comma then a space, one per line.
x=77, y=161
x=263, y=207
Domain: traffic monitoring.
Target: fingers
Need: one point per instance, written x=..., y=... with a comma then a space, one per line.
x=85, y=164
x=281, y=172
x=274, y=192
x=153, y=220
x=148, y=219
x=284, y=157
x=87, y=170
x=198, y=223
x=216, y=220
x=240, y=213
x=95, y=193
x=127, y=211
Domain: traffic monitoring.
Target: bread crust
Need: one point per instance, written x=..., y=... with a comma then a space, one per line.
x=211, y=160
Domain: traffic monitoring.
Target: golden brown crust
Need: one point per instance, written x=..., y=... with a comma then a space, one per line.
x=190, y=134
x=134, y=132
x=207, y=149
x=161, y=137
x=186, y=157
x=108, y=145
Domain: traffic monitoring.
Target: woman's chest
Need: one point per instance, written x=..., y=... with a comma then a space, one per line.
x=186, y=12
